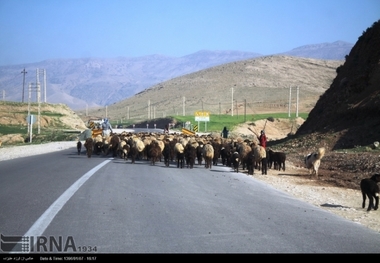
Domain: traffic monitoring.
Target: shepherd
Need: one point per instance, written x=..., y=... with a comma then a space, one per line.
x=225, y=132
x=263, y=139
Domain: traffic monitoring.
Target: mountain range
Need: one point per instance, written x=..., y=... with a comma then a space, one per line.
x=92, y=82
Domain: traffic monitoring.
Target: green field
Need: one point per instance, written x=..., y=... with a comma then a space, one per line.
x=217, y=123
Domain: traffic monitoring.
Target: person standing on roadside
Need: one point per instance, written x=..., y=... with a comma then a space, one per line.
x=263, y=139
x=225, y=132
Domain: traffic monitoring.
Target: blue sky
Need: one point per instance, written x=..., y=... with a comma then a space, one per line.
x=35, y=30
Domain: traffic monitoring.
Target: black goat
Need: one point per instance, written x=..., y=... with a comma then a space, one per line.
x=236, y=161
x=277, y=159
x=166, y=153
x=190, y=155
x=250, y=162
x=79, y=147
x=370, y=188
x=200, y=153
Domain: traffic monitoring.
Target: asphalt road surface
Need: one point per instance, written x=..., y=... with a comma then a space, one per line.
x=68, y=203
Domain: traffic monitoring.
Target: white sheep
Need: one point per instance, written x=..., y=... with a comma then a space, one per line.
x=260, y=157
x=208, y=155
x=179, y=151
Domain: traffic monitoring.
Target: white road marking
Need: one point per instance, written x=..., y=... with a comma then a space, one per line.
x=45, y=219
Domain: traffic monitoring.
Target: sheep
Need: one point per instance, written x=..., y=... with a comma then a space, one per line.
x=277, y=159
x=208, y=155
x=313, y=161
x=216, y=144
x=79, y=147
x=190, y=155
x=114, y=144
x=260, y=153
x=243, y=149
x=123, y=149
x=370, y=188
x=179, y=152
x=105, y=145
x=161, y=144
x=172, y=146
x=89, y=144
x=98, y=144
x=136, y=148
x=154, y=152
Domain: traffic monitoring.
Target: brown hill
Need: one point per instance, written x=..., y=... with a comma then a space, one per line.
x=259, y=85
x=350, y=108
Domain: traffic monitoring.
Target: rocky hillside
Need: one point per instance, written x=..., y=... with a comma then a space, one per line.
x=350, y=108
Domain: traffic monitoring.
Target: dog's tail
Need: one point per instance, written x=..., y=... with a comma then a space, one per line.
x=321, y=153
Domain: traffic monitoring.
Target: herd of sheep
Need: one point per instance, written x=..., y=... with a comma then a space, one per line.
x=186, y=151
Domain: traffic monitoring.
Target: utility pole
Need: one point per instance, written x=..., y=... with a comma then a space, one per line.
x=298, y=94
x=232, y=101
x=290, y=100
x=245, y=109
x=183, y=105
x=38, y=72
x=23, y=84
x=148, y=109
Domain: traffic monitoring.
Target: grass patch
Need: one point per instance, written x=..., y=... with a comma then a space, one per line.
x=218, y=122
x=12, y=129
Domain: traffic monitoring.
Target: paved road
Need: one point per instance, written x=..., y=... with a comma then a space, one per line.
x=110, y=205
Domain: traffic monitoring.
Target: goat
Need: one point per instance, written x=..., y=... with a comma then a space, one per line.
x=200, y=153
x=226, y=153
x=236, y=161
x=264, y=165
x=79, y=147
x=370, y=188
x=277, y=159
x=250, y=162
x=313, y=161
x=98, y=147
x=166, y=153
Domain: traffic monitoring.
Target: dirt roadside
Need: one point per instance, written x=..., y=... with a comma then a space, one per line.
x=344, y=200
